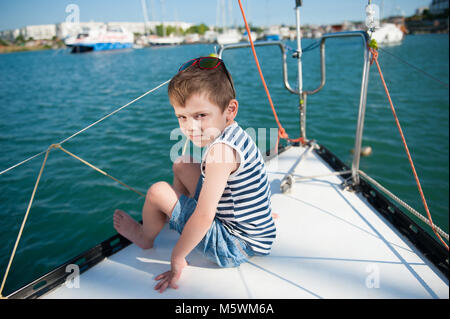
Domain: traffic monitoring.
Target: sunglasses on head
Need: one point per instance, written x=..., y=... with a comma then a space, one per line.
x=207, y=63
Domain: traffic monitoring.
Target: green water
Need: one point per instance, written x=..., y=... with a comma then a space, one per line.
x=49, y=95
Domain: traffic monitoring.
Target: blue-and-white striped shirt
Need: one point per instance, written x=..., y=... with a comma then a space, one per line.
x=245, y=208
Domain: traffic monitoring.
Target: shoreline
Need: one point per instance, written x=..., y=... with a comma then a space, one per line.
x=18, y=48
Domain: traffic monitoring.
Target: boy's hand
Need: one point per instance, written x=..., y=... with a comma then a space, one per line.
x=169, y=278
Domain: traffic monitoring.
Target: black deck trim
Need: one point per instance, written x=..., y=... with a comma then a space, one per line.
x=58, y=276
x=434, y=251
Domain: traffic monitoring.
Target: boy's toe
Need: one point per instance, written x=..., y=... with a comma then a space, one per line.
x=117, y=218
x=118, y=214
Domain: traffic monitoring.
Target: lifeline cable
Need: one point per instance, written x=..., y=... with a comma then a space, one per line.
x=89, y=126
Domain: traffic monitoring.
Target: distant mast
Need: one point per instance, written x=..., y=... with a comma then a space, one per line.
x=230, y=13
x=163, y=11
x=221, y=14
x=144, y=11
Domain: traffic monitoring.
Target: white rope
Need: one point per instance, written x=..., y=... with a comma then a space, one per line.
x=89, y=126
x=23, y=162
x=405, y=205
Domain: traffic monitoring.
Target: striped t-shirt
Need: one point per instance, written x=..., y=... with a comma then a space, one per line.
x=245, y=208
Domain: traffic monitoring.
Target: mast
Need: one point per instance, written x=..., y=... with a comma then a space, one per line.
x=144, y=11
x=163, y=11
x=298, y=4
x=302, y=96
x=224, y=21
x=152, y=10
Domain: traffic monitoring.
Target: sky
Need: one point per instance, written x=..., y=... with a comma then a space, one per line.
x=19, y=13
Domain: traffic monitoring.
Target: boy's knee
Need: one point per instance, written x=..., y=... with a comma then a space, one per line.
x=157, y=190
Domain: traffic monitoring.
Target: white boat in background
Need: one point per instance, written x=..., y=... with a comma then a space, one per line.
x=253, y=35
x=210, y=36
x=224, y=17
x=272, y=34
x=192, y=38
x=165, y=41
x=100, y=39
x=388, y=34
x=229, y=37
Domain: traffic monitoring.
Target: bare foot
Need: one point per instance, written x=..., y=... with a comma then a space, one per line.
x=130, y=229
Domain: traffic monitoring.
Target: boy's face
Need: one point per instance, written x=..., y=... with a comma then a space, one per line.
x=201, y=120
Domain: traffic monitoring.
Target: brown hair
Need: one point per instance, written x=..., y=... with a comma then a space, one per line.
x=214, y=83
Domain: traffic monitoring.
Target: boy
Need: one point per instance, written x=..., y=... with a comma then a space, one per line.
x=221, y=205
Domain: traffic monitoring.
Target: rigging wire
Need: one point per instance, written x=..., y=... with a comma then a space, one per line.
x=89, y=126
x=374, y=52
x=310, y=47
x=416, y=68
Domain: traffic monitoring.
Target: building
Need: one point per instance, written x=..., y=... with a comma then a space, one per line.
x=70, y=29
x=35, y=32
x=438, y=6
x=421, y=10
x=10, y=35
x=39, y=32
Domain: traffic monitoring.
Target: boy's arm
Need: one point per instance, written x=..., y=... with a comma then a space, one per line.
x=221, y=161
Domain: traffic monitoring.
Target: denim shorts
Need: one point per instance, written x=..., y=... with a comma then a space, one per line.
x=218, y=245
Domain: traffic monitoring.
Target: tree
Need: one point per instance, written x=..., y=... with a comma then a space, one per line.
x=20, y=39
x=168, y=28
x=200, y=29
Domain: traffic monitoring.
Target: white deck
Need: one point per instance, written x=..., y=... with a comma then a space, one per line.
x=330, y=244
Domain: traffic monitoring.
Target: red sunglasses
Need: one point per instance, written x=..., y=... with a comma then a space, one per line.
x=207, y=63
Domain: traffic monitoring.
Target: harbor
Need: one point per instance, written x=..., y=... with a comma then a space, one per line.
x=152, y=33
x=47, y=95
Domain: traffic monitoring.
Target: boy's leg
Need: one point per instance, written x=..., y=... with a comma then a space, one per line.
x=159, y=203
x=160, y=200
x=162, y=197
x=185, y=175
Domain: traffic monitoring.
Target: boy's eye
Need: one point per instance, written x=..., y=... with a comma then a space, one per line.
x=198, y=116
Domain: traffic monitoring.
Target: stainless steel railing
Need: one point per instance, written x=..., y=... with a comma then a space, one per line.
x=304, y=93
x=261, y=44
